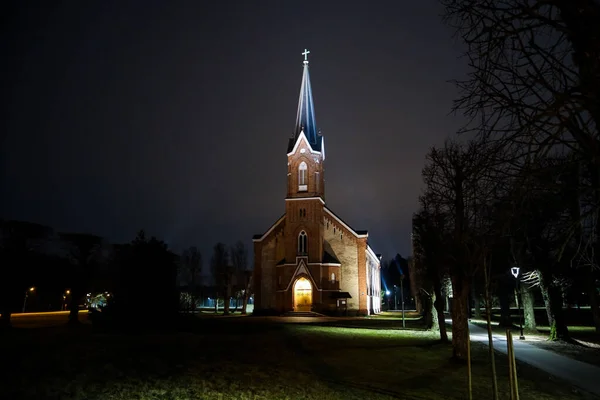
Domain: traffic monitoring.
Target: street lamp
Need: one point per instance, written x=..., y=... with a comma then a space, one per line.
x=31, y=289
x=402, y=298
x=515, y=272
x=67, y=293
x=387, y=293
x=395, y=299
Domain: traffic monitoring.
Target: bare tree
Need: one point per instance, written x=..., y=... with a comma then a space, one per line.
x=83, y=251
x=534, y=87
x=191, y=265
x=222, y=273
x=461, y=182
x=239, y=257
x=431, y=264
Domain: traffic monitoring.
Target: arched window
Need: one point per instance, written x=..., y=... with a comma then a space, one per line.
x=332, y=277
x=302, y=248
x=302, y=184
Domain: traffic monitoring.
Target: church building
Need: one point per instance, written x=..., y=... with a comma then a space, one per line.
x=310, y=259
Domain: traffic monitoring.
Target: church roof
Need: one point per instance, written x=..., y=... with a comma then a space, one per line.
x=305, y=118
x=340, y=295
x=329, y=257
x=358, y=233
x=261, y=236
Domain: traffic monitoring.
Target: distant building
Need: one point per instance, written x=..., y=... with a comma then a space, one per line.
x=310, y=259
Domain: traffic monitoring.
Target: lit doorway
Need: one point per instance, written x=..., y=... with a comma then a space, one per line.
x=302, y=295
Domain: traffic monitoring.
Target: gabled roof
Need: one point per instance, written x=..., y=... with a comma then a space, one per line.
x=356, y=233
x=329, y=256
x=259, y=237
x=340, y=295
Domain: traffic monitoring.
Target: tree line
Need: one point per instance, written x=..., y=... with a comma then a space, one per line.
x=520, y=186
x=59, y=270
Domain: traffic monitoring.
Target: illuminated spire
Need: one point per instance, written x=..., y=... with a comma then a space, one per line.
x=305, y=119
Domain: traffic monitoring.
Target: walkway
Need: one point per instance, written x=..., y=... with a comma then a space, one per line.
x=580, y=374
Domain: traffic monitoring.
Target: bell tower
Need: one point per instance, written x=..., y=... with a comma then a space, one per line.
x=305, y=197
x=306, y=150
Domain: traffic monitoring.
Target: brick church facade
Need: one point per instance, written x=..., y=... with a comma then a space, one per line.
x=310, y=259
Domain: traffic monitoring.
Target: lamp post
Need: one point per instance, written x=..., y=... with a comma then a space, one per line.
x=395, y=299
x=67, y=293
x=402, y=298
x=515, y=273
x=387, y=293
x=31, y=289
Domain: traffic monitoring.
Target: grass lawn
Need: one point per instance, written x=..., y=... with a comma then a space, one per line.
x=249, y=358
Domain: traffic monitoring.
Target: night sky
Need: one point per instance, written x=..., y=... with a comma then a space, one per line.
x=174, y=116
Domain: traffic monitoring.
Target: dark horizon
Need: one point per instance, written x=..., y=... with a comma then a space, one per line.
x=175, y=120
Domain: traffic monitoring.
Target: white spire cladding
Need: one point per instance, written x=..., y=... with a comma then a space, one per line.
x=305, y=119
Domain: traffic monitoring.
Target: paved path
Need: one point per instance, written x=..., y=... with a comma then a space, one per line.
x=580, y=374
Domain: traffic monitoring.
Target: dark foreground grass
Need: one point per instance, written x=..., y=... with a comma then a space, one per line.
x=248, y=358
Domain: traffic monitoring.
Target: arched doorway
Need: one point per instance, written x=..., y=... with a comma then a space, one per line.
x=302, y=295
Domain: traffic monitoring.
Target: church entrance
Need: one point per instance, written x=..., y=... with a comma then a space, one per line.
x=302, y=295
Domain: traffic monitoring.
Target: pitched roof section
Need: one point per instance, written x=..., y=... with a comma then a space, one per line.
x=305, y=118
x=259, y=237
x=356, y=233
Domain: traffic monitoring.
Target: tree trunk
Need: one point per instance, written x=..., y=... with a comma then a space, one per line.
x=245, y=303
x=553, y=297
x=528, y=310
x=460, y=323
x=226, y=300
x=488, y=317
x=476, y=303
x=593, y=297
x=546, y=297
x=559, y=330
x=505, y=318
x=435, y=321
x=414, y=290
x=427, y=311
x=438, y=303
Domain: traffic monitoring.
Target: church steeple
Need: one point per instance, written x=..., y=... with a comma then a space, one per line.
x=305, y=118
x=306, y=150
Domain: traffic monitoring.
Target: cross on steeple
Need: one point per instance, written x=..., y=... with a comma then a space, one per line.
x=305, y=54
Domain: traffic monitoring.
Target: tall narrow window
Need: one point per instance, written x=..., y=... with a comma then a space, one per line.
x=302, y=243
x=317, y=181
x=332, y=277
x=302, y=181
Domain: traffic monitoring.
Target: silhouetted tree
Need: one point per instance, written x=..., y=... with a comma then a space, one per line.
x=533, y=87
x=239, y=258
x=83, y=251
x=191, y=265
x=430, y=264
x=19, y=241
x=145, y=266
x=222, y=274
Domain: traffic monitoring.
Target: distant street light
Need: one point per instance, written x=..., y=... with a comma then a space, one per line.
x=31, y=289
x=515, y=272
x=402, y=297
